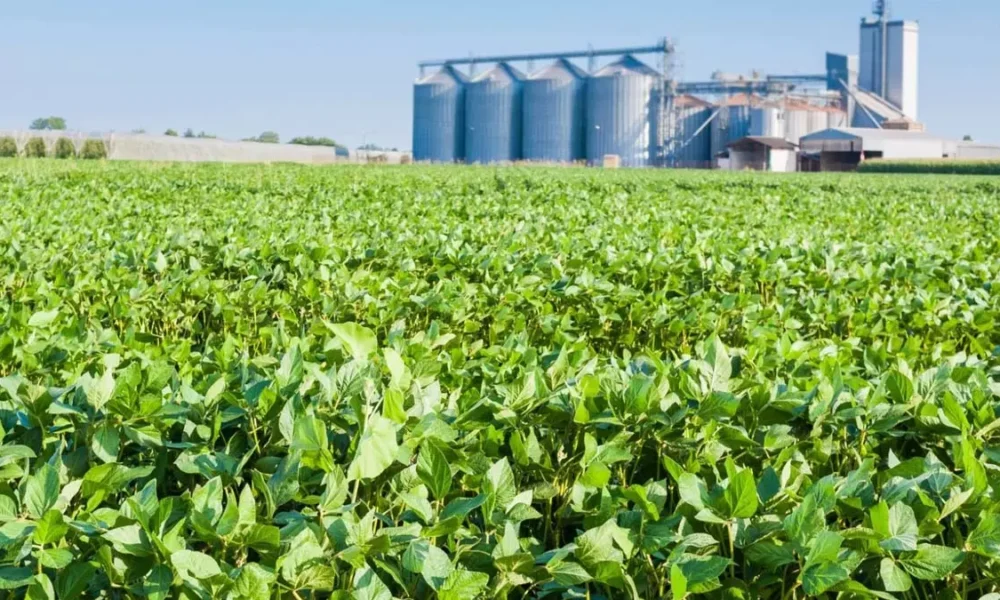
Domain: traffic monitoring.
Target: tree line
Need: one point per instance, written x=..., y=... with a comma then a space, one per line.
x=267, y=137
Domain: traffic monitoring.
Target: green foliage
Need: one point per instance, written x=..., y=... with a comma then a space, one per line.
x=313, y=141
x=170, y=132
x=64, y=148
x=436, y=383
x=8, y=147
x=94, y=149
x=35, y=148
x=268, y=137
x=49, y=123
x=941, y=166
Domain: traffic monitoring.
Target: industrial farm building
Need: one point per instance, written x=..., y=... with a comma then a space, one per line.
x=641, y=116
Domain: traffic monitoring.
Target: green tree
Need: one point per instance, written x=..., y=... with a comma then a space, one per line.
x=94, y=149
x=189, y=133
x=170, y=132
x=269, y=137
x=64, y=148
x=312, y=141
x=50, y=123
x=966, y=138
x=35, y=148
x=8, y=147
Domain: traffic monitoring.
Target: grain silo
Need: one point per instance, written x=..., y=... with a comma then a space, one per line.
x=554, y=113
x=439, y=116
x=767, y=120
x=493, y=117
x=693, y=133
x=734, y=120
x=622, y=113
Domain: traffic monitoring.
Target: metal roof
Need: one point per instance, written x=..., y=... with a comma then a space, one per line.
x=862, y=133
x=627, y=65
x=741, y=99
x=446, y=74
x=775, y=143
x=877, y=105
x=562, y=69
x=689, y=101
x=501, y=72
x=894, y=143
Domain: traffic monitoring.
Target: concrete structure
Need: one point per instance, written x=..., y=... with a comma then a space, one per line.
x=762, y=154
x=554, y=109
x=900, y=54
x=973, y=150
x=439, y=117
x=493, y=117
x=622, y=113
x=841, y=76
x=870, y=111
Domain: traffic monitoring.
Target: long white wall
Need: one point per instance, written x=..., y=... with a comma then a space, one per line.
x=131, y=146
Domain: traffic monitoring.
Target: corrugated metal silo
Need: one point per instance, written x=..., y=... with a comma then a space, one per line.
x=439, y=117
x=493, y=119
x=797, y=121
x=554, y=112
x=622, y=113
x=733, y=122
x=835, y=119
x=694, y=133
x=767, y=121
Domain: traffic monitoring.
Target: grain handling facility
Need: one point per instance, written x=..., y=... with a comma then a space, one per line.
x=628, y=109
x=645, y=117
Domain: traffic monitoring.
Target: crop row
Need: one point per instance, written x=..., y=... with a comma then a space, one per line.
x=946, y=166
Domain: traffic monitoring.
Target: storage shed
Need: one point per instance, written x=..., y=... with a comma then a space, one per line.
x=841, y=149
x=758, y=153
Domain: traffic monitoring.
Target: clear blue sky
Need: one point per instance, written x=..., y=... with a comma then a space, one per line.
x=345, y=69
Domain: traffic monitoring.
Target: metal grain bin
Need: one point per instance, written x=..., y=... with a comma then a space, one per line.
x=439, y=117
x=692, y=146
x=493, y=117
x=767, y=121
x=733, y=121
x=554, y=112
x=622, y=113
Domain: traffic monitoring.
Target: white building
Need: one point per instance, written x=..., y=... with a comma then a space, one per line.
x=900, y=53
x=842, y=149
x=759, y=153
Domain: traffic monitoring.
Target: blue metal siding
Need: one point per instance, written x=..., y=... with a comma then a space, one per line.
x=439, y=117
x=696, y=153
x=554, y=114
x=733, y=123
x=493, y=116
x=622, y=113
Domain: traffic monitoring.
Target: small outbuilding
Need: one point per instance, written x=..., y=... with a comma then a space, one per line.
x=842, y=149
x=758, y=153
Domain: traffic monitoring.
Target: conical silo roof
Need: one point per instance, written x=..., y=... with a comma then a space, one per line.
x=445, y=75
x=627, y=65
x=562, y=70
x=501, y=72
